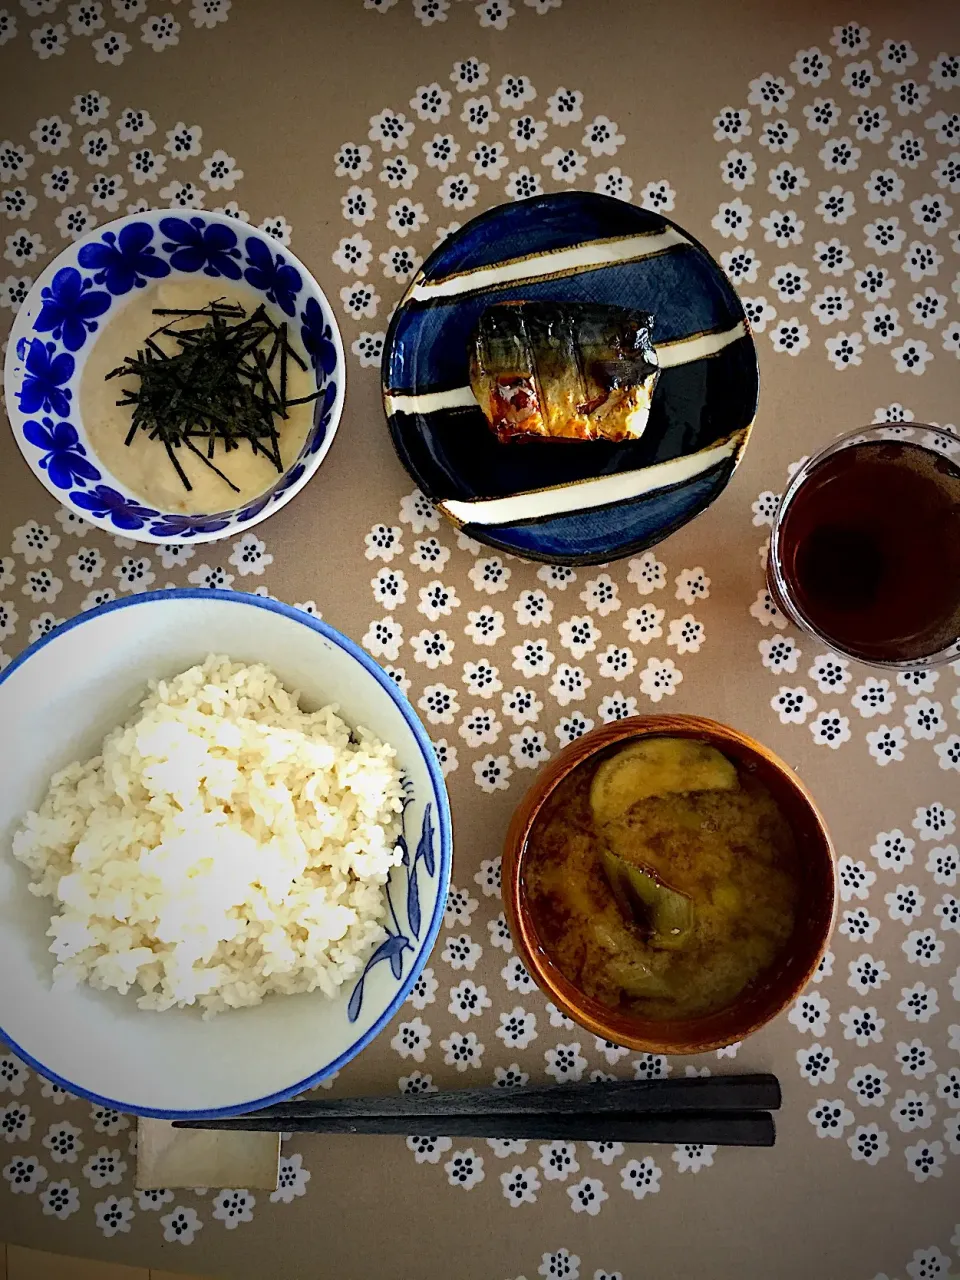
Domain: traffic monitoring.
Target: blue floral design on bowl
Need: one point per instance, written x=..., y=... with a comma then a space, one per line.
x=401, y=939
x=64, y=457
x=195, y=245
x=105, y=503
x=327, y=403
x=276, y=279
x=317, y=337
x=77, y=295
x=181, y=528
x=44, y=388
x=125, y=259
x=70, y=308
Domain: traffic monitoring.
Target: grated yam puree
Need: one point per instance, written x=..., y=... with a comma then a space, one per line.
x=223, y=846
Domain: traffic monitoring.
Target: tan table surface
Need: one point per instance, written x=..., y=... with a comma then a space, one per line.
x=279, y=88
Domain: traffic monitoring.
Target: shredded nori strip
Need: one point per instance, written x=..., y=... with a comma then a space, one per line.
x=216, y=388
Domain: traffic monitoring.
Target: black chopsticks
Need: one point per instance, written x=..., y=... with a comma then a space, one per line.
x=720, y=1110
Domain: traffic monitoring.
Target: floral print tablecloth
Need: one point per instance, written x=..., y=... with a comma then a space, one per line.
x=820, y=161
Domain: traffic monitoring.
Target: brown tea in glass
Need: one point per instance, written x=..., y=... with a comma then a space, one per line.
x=865, y=550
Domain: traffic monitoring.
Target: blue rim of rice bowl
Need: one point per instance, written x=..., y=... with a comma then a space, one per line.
x=444, y=826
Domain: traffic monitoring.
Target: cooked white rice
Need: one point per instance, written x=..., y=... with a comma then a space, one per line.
x=223, y=846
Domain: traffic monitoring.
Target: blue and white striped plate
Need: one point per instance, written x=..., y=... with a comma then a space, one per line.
x=550, y=500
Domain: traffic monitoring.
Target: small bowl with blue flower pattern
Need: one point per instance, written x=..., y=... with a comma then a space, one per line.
x=92, y=283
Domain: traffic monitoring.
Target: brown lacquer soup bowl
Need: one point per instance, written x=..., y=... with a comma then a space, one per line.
x=772, y=990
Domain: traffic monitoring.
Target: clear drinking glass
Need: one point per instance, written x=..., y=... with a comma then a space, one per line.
x=865, y=549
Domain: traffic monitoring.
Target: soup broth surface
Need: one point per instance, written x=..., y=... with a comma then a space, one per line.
x=675, y=903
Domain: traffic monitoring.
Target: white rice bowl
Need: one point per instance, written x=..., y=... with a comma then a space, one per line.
x=84, y=683
x=222, y=846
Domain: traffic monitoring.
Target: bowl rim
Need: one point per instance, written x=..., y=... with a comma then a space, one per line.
x=20, y=328
x=537, y=961
x=444, y=829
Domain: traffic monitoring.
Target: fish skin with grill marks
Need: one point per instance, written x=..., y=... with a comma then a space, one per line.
x=564, y=371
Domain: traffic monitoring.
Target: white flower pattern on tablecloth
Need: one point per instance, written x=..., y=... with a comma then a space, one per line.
x=811, y=1013
x=63, y=1143
x=24, y=1174
x=865, y=1142
x=691, y=1157
x=869, y=1143
x=492, y=773
x=868, y=1084
x=818, y=1065
x=60, y=1199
